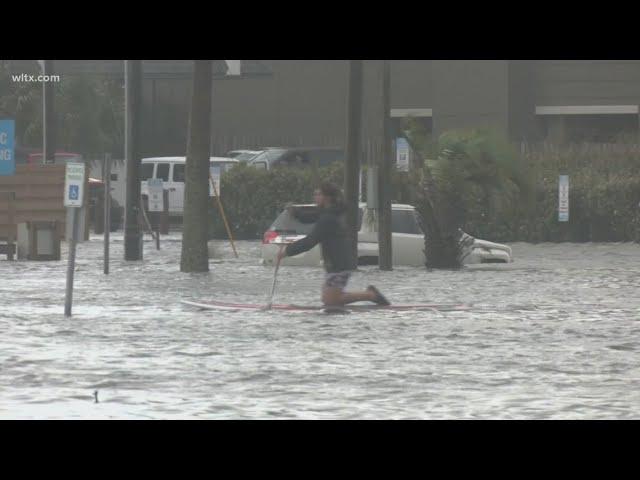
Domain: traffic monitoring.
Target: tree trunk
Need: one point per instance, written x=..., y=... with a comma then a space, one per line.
x=385, y=251
x=354, y=153
x=441, y=246
x=195, y=255
x=133, y=249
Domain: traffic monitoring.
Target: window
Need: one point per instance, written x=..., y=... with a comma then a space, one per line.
x=146, y=172
x=163, y=171
x=405, y=221
x=114, y=177
x=178, y=172
x=260, y=165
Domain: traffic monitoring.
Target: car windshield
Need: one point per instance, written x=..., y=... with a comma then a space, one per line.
x=405, y=221
x=245, y=157
x=268, y=155
x=299, y=220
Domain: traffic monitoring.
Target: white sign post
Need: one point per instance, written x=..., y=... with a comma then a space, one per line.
x=155, y=191
x=402, y=154
x=563, y=198
x=73, y=198
x=156, y=195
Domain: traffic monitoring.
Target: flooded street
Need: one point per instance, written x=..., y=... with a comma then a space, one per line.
x=556, y=334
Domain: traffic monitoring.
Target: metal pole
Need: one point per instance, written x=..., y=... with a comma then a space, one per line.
x=11, y=244
x=71, y=264
x=133, y=91
x=353, y=154
x=48, y=117
x=384, y=174
x=107, y=209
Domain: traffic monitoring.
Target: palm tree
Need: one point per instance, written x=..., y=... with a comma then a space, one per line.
x=195, y=256
x=468, y=165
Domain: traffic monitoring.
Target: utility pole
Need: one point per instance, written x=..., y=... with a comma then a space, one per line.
x=385, y=171
x=48, y=115
x=195, y=255
x=353, y=155
x=133, y=114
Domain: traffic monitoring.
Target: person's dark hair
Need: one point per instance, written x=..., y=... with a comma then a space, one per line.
x=332, y=191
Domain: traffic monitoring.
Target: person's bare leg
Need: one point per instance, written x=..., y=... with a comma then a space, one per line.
x=335, y=297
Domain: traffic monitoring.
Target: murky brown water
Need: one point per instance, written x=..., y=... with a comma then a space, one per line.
x=554, y=335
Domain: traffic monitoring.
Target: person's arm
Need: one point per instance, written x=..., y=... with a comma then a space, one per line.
x=305, y=244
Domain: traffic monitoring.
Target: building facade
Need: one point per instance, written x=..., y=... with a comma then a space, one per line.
x=303, y=102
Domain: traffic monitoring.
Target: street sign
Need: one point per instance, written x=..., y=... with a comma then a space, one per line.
x=156, y=197
x=402, y=154
x=563, y=198
x=74, y=184
x=7, y=153
x=214, y=173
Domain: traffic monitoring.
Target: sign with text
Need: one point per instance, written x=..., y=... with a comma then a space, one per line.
x=7, y=152
x=402, y=154
x=563, y=198
x=74, y=184
x=156, y=194
x=214, y=173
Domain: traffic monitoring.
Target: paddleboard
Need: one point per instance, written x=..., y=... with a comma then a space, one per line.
x=216, y=305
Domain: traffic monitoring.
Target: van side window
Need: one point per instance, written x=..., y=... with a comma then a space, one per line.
x=146, y=171
x=178, y=172
x=163, y=172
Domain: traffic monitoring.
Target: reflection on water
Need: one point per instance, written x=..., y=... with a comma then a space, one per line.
x=554, y=335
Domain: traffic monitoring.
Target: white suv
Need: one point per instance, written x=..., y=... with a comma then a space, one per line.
x=407, y=239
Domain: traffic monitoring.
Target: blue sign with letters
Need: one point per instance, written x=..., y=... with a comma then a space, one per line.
x=7, y=154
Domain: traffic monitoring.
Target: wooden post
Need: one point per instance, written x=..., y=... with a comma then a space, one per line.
x=224, y=217
x=12, y=226
x=384, y=173
x=353, y=155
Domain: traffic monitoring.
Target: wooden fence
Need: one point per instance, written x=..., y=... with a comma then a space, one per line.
x=38, y=197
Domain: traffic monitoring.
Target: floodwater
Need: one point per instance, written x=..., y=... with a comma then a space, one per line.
x=554, y=335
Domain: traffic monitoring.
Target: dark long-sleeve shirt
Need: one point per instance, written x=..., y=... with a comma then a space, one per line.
x=330, y=231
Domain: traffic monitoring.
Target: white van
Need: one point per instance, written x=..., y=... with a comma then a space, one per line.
x=172, y=172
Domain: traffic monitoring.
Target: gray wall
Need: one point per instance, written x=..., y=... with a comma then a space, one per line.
x=303, y=101
x=587, y=82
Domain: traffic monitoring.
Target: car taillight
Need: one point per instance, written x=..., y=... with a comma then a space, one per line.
x=269, y=236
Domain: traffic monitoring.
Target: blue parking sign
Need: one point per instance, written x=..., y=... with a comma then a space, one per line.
x=74, y=192
x=7, y=157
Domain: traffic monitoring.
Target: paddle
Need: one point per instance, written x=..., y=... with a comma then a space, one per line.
x=275, y=277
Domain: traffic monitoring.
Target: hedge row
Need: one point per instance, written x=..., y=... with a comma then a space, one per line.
x=602, y=208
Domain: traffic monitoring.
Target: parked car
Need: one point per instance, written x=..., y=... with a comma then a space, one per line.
x=244, y=156
x=296, y=221
x=172, y=172
x=297, y=157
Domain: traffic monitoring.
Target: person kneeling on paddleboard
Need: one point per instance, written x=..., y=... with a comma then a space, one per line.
x=330, y=231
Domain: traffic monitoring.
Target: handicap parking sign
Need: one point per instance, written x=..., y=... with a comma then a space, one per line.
x=74, y=192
